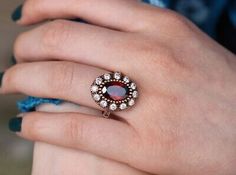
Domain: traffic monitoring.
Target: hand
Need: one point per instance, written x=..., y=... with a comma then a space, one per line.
x=50, y=159
x=184, y=121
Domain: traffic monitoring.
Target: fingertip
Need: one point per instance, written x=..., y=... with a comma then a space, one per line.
x=21, y=16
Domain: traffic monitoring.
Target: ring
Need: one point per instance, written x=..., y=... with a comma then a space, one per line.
x=114, y=92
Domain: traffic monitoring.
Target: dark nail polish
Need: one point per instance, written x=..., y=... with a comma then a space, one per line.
x=1, y=77
x=16, y=15
x=15, y=124
x=13, y=60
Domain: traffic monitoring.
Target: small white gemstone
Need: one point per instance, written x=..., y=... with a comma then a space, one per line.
x=135, y=94
x=103, y=103
x=117, y=75
x=96, y=97
x=133, y=86
x=126, y=79
x=123, y=106
x=107, y=76
x=98, y=80
x=131, y=102
x=104, y=90
x=113, y=107
x=94, y=88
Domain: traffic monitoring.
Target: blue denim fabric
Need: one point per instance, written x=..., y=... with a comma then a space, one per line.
x=232, y=12
x=204, y=13
x=30, y=103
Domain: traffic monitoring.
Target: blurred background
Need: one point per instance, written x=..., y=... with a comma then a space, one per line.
x=15, y=153
x=217, y=18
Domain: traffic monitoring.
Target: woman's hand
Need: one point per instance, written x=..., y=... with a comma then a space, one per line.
x=184, y=121
x=51, y=159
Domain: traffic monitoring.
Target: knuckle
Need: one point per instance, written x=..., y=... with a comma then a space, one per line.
x=54, y=35
x=18, y=45
x=149, y=21
x=157, y=55
x=164, y=58
x=11, y=79
x=171, y=19
x=34, y=127
x=143, y=47
x=61, y=78
x=177, y=21
x=30, y=8
x=154, y=54
x=74, y=130
x=150, y=52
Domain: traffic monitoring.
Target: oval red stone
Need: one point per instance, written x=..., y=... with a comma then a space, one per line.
x=115, y=90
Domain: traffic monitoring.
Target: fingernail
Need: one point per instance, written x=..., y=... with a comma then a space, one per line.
x=16, y=15
x=13, y=60
x=15, y=124
x=1, y=77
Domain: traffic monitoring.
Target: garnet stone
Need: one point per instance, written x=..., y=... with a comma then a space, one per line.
x=115, y=90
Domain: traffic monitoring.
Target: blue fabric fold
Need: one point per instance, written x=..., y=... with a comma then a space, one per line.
x=30, y=103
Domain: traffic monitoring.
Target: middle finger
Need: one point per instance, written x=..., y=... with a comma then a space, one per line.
x=82, y=43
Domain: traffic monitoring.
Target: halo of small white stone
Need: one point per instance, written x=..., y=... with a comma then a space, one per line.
x=109, y=104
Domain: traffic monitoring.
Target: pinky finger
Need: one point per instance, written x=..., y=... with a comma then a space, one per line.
x=108, y=138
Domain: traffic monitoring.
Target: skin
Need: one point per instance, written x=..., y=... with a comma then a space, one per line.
x=184, y=121
x=51, y=159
